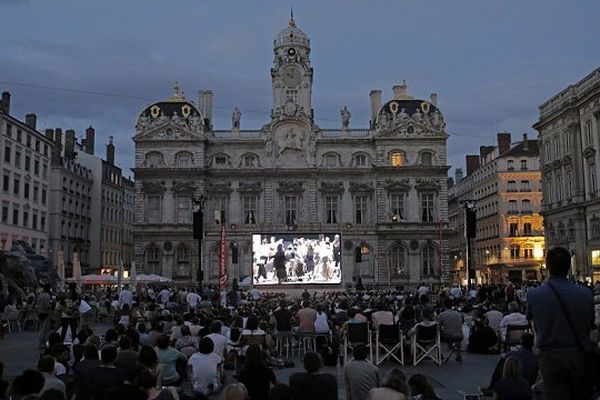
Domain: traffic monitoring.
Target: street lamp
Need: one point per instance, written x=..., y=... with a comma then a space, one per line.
x=470, y=232
x=198, y=232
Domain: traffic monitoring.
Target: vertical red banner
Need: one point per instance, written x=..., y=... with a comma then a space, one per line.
x=223, y=261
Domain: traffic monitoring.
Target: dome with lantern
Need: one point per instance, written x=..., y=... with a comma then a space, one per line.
x=176, y=109
x=404, y=108
x=291, y=36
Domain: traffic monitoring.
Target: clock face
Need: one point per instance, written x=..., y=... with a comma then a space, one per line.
x=291, y=77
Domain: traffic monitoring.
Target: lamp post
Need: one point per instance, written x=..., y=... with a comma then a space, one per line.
x=470, y=232
x=198, y=232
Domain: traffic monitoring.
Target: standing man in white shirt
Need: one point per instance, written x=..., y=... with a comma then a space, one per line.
x=164, y=295
x=192, y=300
x=125, y=297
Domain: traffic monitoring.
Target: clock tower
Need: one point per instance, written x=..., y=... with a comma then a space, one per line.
x=291, y=74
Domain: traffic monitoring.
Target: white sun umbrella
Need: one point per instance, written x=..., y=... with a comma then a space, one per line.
x=132, y=276
x=60, y=266
x=76, y=269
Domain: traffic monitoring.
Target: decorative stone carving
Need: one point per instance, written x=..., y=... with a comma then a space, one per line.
x=143, y=123
x=250, y=187
x=332, y=187
x=360, y=187
x=427, y=184
x=290, y=187
x=291, y=140
x=218, y=187
x=153, y=187
x=400, y=185
x=184, y=186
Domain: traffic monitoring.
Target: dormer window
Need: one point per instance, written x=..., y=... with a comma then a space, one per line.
x=426, y=159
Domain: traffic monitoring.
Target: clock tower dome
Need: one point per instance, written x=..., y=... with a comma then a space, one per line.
x=291, y=74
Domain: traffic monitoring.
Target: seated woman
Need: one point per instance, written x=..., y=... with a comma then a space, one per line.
x=256, y=375
x=482, y=338
x=169, y=358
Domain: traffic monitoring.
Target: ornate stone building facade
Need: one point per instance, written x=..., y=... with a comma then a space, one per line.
x=384, y=189
x=569, y=127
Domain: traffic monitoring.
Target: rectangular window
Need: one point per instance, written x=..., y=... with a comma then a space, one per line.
x=527, y=228
x=43, y=222
x=7, y=151
x=569, y=185
x=567, y=142
x=290, y=208
x=427, y=207
x=291, y=95
x=360, y=209
x=6, y=183
x=514, y=252
x=27, y=163
x=556, y=148
x=512, y=206
x=595, y=257
x=512, y=186
x=183, y=211
x=8, y=130
x=36, y=193
x=17, y=159
x=26, y=190
x=528, y=253
x=45, y=171
x=19, y=135
x=510, y=165
x=34, y=221
x=331, y=209
x=5, y=214
x=16, y=185
x=37, y=145
x=15, y=217
x=397, y=207
x=513, y=229
x=220, y=210
x=44, y=192
x=29, y=141
x=36, y=167
x=153, y=209
x=523, y=165
x=249, y=204
x=46, y=150
x=559, y=188
x=525, y=186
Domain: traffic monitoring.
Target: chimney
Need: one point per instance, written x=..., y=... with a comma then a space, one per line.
x=503, y=142
x=50, y=134
x=205, y=102
x=433, y=99
x=31, y=120
x=57, y=148
x=458, y=175
x=90, y=138
x=472, y=163
x=485, y=150
x=400, y=91
x=525, y=142
x=375, y=105
x=5, y=103
x=110, y=151
x=69, y=144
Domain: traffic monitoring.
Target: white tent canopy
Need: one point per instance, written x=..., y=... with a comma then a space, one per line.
x=151, y=278
x=93, y=279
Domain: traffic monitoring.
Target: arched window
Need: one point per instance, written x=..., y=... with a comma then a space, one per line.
x=429, y=260
x=397, y=261
x=366, y=259
x=183, y=261
x=526, y=206
x=426, y=158
x=152, y=257
x=360, y=160
x=331, y=160
x=397, y=158
x=249, y=161
x=183, y=159
x=221, y=160
x=154, y=159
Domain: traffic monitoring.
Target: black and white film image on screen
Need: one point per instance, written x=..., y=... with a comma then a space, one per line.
x=297, y=258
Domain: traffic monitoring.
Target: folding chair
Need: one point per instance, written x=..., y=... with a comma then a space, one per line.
x=284, y=340
x=426, y=343
x=514, y=336
x=389, y=339
x=13, y=317
x=358, y=333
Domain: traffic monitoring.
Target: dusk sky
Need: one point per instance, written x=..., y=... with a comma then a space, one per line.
x=492, y=63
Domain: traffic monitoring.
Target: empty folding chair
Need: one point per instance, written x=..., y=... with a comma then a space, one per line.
x=358, y=333
x=426, y=343
x=389, y=339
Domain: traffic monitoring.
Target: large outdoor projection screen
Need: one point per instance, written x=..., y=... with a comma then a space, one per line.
x=295, y=258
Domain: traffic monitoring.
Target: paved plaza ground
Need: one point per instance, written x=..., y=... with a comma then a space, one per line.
x=18, y=352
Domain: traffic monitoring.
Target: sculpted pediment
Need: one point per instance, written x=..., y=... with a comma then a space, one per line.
x=250, y=187
x=153, y=187
x=167, y=131
x=397, y=185
x=290, y=187
x=218, y=187
x=183, y=186
x=427, y=184
x=332, y=187
x=360, y=187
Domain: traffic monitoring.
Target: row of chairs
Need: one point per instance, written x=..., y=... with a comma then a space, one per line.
x=17, y=319
x=390, y=339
